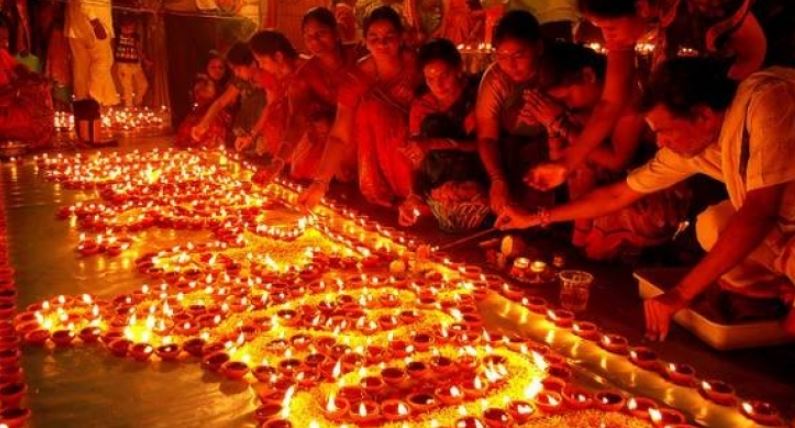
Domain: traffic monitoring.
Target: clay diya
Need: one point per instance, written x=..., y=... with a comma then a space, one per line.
x=364, y=412
x=680, y=374
x=90, y=334
x=665, y=417
x=267, y=411
x=614, y=343
x=644, y=357
x=141, y=351
x=393, y=376
x=497, y=418
x=336, y=408
x=63, y=337
x=586, y=330
x=549, y=402
x=761, y=412
x=395, y=410
x=718, y=392
x=561, y=317
x=576, y=398
x=521, y=411
x=168, y=352
x=234, y=370
x=609, y=401
x=421, y=402
x=639, y=407
x=37, y=337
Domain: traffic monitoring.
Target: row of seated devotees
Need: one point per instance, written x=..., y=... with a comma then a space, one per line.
x=413, y=130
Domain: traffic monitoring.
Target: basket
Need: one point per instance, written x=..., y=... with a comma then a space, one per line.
x=463, y=217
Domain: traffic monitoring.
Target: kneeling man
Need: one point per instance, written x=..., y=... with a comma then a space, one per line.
x=743, y=136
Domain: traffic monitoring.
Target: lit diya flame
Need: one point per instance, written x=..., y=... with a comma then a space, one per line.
x=655, y=415
x=540, y=361
x=331, y=404
x=288, y=396
x=532, y=390
x=402, y=410
x=454, y=391
x=362, y=410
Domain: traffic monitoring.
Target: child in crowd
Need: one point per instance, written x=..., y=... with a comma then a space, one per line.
x=129, y=58
x=244, y=88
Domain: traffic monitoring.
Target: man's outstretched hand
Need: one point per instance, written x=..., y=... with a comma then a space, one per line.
x=660, y=311
x=516, y=218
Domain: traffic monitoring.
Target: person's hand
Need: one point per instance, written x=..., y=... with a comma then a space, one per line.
x=660, y=311
x=243, y=142
x=265, y=175
x=540, y=107
x=198, y=131
x=311, y=196
x=547, y=176
x=498, y=196
x=516, y=218
x=414, y=151
x=410, y=211
x=99, y=29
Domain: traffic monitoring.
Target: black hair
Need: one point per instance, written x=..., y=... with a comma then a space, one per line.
x=439, y=50
x=681, y=84
x=383, y=13
x=269, y=42
x=517, y=24
x=240, y=54
x=608, y=8
x=321, y=15
x=563, y=64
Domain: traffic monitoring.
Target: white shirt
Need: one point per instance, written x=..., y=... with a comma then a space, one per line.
x=755, y=149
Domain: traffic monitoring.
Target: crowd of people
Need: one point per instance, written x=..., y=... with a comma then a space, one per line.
x=399, y=118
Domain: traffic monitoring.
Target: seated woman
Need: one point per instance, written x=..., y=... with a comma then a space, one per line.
x=208, y=85
x=243, y=86
x=278, y=61
x=574, y=77
x=443, y=145
x=509, y=144
x=372, y=117
x=312, y=97
x=26, y=110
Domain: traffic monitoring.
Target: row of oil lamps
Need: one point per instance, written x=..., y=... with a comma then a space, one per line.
x=643, y=357
x=12, y=381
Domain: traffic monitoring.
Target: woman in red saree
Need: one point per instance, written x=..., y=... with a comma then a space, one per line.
x=311, y=98
x=372, y=117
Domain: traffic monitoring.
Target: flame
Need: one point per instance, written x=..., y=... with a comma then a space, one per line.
x=533, y=389
x=454, y=391
x=402, y=410
x=335, y=373
x=540, y=361
x=331, y=404
x=288, y=396
x=524, y=409
x=462, y=411
x=655, y=415
x=362, y=410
